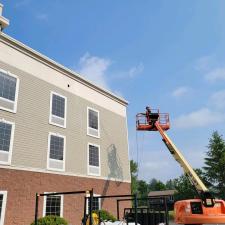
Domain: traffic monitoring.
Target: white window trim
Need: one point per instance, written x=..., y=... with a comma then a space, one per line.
x=88, y=166
x=50, y=113
x=4, y=193
x=48, y=152
x=11, y=142
x=61, y=204
x=98, y=130
x=16, y=92
x=87, y=204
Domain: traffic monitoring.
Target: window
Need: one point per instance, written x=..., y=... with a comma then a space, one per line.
x=93, y=156
x=6, y=141
x=96, y=204
x=58, y=104
x=9, y=86
x=3, y=197
x=171, y=197
x=93, y=122
x=93, y=159
x=56, y=152
x=53, y=205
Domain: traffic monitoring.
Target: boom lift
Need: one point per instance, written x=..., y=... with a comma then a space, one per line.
x=206, y=209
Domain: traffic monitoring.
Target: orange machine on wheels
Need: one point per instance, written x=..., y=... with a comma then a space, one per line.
x=206, y=209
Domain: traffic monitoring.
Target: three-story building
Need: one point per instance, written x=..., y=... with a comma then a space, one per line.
x=58, y=132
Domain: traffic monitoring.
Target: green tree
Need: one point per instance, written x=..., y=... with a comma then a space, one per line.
x=170, y=185
x=133, y=172
x=184, y=188
x=156, y=185
x=142, y=192
x=215, y=165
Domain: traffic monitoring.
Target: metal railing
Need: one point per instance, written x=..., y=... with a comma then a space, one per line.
x=142, y=120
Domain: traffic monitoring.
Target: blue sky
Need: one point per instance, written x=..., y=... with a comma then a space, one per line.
x=166, y=54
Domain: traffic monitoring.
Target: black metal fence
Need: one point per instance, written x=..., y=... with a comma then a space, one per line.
x=154, y=212
x=90, y=192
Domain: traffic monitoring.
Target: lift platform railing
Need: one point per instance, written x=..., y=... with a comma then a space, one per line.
x=142, y=122
x=164, y=119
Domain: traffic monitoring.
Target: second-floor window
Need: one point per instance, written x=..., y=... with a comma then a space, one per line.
x=93, y=122
x=94, y=159
x=58, y=110
x=56, y=152
x=9, y=85
x=6, y=141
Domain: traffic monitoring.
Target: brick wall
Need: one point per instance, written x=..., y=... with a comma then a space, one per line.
x=22, y=186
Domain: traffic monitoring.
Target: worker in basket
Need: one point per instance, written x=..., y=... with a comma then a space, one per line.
x=148, y=114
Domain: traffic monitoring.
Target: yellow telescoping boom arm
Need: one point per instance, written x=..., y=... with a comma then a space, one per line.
x=202, y=190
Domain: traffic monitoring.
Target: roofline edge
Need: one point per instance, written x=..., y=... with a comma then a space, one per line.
x=57, y=66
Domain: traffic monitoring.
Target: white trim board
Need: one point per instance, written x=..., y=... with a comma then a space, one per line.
x=37, y=170
x=51, y=63
x=27, y=60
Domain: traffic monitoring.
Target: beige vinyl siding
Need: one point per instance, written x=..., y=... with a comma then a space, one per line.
x=32, y=128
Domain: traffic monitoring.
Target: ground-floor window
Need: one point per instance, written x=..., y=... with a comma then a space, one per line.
x=53, y=205
x=96, y=204
x=3, y=197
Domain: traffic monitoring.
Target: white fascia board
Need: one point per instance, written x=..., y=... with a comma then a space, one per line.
x=51, y=63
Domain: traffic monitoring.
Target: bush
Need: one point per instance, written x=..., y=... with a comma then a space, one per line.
x=105, y=215
x=51, y=220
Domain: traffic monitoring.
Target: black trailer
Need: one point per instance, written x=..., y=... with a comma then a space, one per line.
x=155, y=211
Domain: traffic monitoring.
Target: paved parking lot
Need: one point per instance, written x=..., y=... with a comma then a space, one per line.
x=172, y=223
